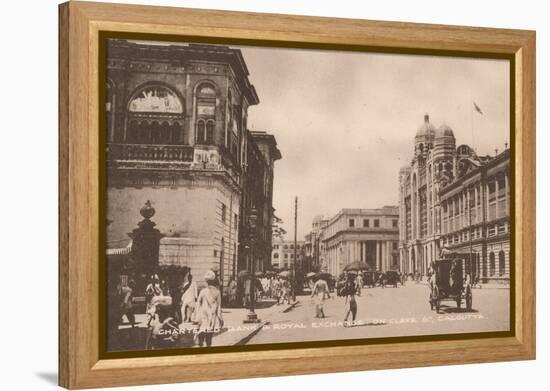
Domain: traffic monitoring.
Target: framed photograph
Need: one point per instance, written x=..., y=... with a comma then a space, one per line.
x=247, y=195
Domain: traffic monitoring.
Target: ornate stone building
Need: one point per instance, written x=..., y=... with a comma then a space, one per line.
x=475, y=214
x=176, y=135
x=435, y=188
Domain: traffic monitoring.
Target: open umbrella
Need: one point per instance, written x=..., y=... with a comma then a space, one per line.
x=285, y=274
x=356, y=266
x=311, y=274
x=243, y=274
x=324, y=276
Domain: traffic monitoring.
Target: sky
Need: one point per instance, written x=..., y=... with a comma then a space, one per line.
x=345, y=121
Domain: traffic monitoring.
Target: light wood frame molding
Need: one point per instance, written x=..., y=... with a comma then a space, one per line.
x=79, y=27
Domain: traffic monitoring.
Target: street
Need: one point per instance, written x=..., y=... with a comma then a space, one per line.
x=388, y=312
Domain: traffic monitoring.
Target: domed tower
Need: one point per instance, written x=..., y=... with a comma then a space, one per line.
x=424, y=139
x=444, y=151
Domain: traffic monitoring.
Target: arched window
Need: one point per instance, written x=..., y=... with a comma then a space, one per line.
x=201, y=132
x=176, y=129
x=155, y=99
x=205, y=113
x=492, y=265
x=155, y=114
x=210, y=125
x=133, y=132
x=501, y=263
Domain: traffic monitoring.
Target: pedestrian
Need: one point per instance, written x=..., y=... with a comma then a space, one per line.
x=232, y=291
x=247, y=292
x=164, y=289
x=359, y=281
x=189, y=298
x=285, y=294
x=276, y=289
x=349, y=291
x=320, y=293
x=127, y=305
x=209, y=310
x=153, y=289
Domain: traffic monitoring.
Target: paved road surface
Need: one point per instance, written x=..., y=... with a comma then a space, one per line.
x=389, y=312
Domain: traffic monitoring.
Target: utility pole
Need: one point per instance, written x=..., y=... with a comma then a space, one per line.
x=295, y=244
x=251, y=316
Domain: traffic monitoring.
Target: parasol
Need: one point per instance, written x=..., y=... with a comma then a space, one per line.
x=356, y=266
x=324, y=276
x=311, y=274
x=285, y=274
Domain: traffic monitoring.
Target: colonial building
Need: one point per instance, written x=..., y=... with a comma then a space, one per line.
x=366, y=235
x=434, y=189
x=176, y=135
x=260, y=154
x=475, y=215
x=282, y=256
x=314, y=245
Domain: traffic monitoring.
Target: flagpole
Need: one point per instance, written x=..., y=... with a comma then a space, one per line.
x=472, y=124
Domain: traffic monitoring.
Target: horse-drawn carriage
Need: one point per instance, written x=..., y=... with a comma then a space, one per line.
x=451, y=280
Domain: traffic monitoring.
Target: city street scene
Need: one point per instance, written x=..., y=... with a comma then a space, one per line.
x=263, y=195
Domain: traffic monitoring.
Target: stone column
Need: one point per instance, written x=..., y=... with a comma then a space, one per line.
x=390, y=254
x=384, y=255
x=377, y=255
x=496, y=199
x=507, y=197
x=474, y=221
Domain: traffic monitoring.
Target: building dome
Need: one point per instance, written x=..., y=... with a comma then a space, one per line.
x=426, y=129
x=318, y=219
x=444, y=131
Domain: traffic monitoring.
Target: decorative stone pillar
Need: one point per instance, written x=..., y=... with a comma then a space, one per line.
x=146, y=242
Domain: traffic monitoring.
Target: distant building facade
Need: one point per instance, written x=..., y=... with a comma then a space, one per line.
x=366, y=235
x=314, y=245
x=177, y=136
x=282, y=255
x=260, y=154
x=442, y=194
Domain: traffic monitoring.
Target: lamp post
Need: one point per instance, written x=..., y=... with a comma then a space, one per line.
x=251, y=316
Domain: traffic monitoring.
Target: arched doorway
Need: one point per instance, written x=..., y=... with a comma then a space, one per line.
x=501, y=264
x=492, y=266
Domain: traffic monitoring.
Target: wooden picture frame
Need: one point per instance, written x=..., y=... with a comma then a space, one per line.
x=80, y=365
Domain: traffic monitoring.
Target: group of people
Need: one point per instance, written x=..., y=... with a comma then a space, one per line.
x=276, y=287
x=240, y=291
x=170, y=309
x=350, y=288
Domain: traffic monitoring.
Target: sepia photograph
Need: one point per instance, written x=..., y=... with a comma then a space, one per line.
x=265, y=195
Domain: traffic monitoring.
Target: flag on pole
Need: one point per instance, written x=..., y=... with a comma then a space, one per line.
x=478, y=109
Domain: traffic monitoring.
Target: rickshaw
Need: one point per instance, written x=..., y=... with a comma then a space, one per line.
x=391, y=277
x=449, y=282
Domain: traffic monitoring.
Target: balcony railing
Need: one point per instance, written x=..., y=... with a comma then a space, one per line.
x=150, y=152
